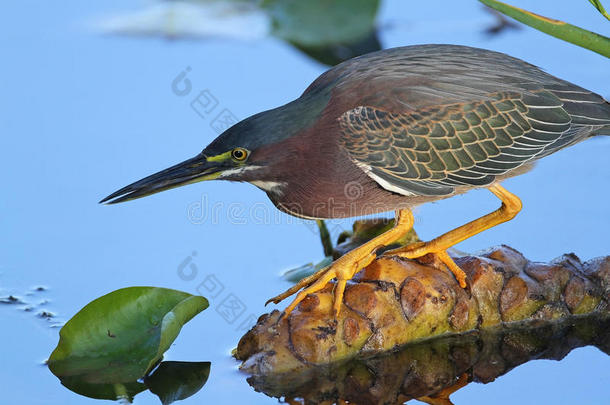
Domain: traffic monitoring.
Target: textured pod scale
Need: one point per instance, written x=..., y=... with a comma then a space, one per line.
x=396, y=302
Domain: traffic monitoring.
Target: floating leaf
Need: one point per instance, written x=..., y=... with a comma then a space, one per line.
x=116, y=339
x=299, y=273
x=176, y=380
x=328, y=31
x=319, y=23
x=334, y=54
x=192, y=19
x=559, y=29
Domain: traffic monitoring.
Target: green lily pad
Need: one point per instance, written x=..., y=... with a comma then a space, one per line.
x=117, y=338
x=176, y=380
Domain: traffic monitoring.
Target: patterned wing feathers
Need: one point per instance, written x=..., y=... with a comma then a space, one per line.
x=431, y=151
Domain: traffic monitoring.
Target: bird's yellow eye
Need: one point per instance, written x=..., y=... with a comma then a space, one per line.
x=239, y=154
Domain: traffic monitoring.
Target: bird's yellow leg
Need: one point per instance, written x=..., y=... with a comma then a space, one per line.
x=511, y=205
x=347, y=265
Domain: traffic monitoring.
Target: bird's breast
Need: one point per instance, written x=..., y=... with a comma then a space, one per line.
x=337, y=190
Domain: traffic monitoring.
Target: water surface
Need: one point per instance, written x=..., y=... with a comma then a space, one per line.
x=83, y=114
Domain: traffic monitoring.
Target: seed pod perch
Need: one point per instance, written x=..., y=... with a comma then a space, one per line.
x=394, y=302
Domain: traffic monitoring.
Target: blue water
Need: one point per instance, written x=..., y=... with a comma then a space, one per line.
x=83, y=114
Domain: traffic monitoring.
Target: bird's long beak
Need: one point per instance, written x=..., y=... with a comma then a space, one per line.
x=193, y=170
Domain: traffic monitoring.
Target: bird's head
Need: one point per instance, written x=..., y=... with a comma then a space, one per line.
x=231, y=156
x=250, y=150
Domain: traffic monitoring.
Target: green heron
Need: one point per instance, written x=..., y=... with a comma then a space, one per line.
x=390, y=130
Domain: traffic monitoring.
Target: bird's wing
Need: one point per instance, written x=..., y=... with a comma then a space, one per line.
x=433, y=150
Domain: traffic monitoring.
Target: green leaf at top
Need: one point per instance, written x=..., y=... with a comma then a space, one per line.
x=598, y=5
x=559, y=29
x=117, y=338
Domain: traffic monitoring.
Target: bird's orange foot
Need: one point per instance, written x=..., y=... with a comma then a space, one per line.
x=346, y=266
x=420, y=249
x=511, y=205
x=343, y=269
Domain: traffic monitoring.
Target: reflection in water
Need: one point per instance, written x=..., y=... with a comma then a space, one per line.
x=170, y=381
x=432, y=370
x=176, y=380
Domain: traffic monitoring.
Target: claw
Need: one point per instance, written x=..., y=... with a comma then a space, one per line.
x=342, y=270
x=319, y=284
x=459, y=274
x=339, y=290
x=345, y=267
x=420, y=249
x=303, y=283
